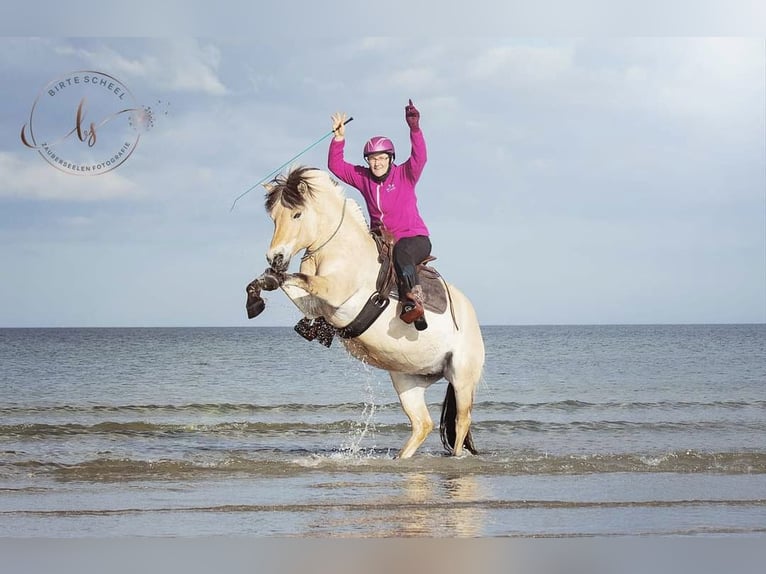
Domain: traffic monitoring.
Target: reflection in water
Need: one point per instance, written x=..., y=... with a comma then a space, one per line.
x=439, y=506
x=423, y=505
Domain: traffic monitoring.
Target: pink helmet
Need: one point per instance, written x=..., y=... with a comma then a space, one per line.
x=379, y=144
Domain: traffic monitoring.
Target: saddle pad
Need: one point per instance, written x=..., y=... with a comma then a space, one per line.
x=434, y=291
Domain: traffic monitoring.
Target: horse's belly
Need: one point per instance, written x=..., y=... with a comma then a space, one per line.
x=399, y=356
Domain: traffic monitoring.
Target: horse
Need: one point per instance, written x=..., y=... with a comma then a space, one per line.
x=337, y=275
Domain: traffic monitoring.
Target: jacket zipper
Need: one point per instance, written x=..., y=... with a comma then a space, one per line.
x=377, y=200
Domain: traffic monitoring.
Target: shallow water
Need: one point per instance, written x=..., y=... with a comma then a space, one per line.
x=582, y=431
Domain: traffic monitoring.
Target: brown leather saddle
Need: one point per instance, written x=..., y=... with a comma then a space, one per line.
x=436, y=298
x=435, y=294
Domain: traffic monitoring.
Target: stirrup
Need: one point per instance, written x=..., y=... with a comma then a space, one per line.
x=411, y=312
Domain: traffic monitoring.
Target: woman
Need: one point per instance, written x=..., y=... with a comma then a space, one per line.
x=389, y=192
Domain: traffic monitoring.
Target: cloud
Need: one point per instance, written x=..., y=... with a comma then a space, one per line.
x=183, y=65
x=415, y=79
x=37, y=180
x=592, y=165
x=522, y=64
x=711, y=78
x=377, y=44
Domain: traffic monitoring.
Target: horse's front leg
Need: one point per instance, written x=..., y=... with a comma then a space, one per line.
x=268, y=281
x=317, y=286
x=411, y=390
x=332, y=290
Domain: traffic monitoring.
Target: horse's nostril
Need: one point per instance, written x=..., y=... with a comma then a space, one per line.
x=277, y=261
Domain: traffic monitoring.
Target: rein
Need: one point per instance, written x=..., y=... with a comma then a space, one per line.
x=310, y=253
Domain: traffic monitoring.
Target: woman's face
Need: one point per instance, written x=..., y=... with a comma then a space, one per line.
x=378, y=163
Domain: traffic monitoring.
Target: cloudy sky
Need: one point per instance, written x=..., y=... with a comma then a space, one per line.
x=569, y=181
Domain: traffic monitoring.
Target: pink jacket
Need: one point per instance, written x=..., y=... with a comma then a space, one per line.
x=391, y=204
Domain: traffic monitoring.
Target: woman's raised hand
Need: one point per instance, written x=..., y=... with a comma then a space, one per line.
x=339, y=125
x=412, y=116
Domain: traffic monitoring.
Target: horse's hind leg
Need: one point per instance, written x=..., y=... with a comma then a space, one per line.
x=464, y=400
x=411, y=390
x=464, y=376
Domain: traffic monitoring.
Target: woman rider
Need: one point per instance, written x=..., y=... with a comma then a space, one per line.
x=389, y=192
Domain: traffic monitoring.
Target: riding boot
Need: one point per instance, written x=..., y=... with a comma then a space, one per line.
x=412, y=308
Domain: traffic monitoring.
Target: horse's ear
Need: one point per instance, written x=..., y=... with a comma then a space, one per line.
x=269, y=186
x=303, y=187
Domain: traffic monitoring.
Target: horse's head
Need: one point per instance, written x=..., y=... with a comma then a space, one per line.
x=299, y=218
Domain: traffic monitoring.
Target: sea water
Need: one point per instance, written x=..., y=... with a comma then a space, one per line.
x=582, y=431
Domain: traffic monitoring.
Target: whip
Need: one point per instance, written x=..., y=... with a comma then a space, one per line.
x=265, y=178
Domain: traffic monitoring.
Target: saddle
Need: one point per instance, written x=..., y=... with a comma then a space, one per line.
x=435, y=297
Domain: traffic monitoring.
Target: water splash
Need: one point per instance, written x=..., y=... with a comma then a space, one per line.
x=365, y=427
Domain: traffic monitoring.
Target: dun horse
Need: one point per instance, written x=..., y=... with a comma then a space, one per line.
x=337, y=281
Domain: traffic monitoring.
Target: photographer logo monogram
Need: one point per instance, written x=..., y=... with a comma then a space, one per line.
x=85, y=123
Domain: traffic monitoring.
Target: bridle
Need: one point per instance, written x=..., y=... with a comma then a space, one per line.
x=310, y=253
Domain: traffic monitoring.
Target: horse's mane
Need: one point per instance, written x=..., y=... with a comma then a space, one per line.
x=292, y=189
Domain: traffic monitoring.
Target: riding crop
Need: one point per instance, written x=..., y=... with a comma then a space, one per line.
x=266, y=178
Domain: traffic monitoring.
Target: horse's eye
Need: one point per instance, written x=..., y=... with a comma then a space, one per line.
x=297, y=215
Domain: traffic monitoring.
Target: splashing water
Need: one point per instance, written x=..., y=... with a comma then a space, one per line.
x=366, y=424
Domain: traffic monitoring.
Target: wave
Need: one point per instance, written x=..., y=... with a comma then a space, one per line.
x=192, y=408
x=574, y=405
x=248, y=408
x=304, y=427
x=280, y=463
x=379, y=506
x=140, y=428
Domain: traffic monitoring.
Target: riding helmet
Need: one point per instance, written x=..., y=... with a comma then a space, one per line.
x=379, y=144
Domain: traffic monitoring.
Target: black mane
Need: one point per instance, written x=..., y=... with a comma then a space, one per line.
x=290, y=190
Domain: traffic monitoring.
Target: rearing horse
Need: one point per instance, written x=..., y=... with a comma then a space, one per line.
x=337, y=276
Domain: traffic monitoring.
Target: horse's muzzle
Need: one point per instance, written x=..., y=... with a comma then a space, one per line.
x=278, y=262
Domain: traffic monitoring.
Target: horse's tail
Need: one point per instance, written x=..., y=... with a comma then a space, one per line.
x=447, y=423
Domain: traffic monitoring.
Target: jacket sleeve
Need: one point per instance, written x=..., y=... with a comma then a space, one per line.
x=418, y=156
x=344, y=171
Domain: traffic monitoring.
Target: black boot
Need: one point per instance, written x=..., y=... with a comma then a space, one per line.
x=412, y=308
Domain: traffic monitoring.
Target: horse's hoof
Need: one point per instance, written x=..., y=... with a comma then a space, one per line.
x=255, y=306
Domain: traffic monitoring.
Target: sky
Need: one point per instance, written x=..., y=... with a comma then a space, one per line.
x=588, y=180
